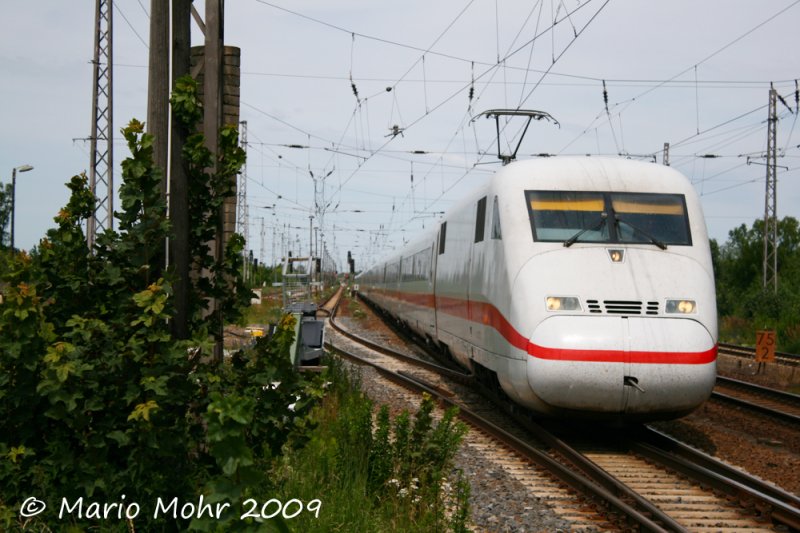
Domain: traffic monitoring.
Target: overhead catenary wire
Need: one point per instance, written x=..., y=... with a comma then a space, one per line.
x=796, y=113
x=724, y=47
x=427, y=80
x=494, y=70
x=582, y=81
x=539, y=3
x=128, y=22
x=147, y=13
x=716, y=52
x=696, y=100
x=569, y=14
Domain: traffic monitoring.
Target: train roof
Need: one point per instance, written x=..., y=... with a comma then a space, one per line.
x=575, y=173
x=592, y=173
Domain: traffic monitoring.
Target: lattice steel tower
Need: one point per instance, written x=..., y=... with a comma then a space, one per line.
x=101, y=168
x=771, y=198
x=242, y=212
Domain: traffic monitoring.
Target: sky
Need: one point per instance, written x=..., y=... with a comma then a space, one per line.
x=373, y=105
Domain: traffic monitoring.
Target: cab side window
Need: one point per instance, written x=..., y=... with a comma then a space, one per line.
x=496, y=233
x=480, y=220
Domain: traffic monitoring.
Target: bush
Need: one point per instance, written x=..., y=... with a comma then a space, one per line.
x=375, y=474
x=741, y=297
x=100, y=405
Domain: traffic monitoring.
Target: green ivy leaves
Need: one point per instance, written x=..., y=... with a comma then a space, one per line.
x=96, y=397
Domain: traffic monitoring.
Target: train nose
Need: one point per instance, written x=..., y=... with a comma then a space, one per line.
x=616, y=364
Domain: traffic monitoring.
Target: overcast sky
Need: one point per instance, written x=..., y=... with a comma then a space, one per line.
x=694, y=74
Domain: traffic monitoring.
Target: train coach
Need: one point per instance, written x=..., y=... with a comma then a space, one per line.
x=581, y=287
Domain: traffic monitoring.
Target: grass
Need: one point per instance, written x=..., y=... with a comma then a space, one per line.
x=373, y=473
x=354, y=308
x=271, y=309
x=269, y=312
x=742, y=331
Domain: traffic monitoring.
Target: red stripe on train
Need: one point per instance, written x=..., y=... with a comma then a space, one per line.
x=487, y=314
x=619, y=356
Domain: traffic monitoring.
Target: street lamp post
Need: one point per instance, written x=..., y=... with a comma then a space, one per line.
x=21, y=168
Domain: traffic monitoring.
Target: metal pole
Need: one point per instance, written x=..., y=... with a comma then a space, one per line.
x=21, y=168
x=13, y=194
x=179, y=182
x=212, y=120
x=770, y=266
x=242, y=213
x=101, y=168
x=158, y=85
x=311, y=236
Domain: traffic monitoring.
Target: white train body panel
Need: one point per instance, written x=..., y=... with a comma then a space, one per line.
x=480, y=286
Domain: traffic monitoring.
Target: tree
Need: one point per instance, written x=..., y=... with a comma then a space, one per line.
x=738, y=267
x=96, y=397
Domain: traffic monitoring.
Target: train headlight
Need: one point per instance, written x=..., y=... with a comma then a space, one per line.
x=617, y=255
x=562, y=303
x=684, y=307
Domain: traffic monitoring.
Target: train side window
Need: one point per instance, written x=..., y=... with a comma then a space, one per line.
x=442, y=237
x=480, y=220
x=496, y=233
x=422, y=262
x=407, y=269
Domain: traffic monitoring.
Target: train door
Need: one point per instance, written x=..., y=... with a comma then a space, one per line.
x=432, y=290
x=438, y=249
x=476, y=291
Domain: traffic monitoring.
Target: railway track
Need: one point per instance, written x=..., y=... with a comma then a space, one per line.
x=746, y=352
x=777, y=404
x=327, y=307
x=489, y=435
x=643, y=478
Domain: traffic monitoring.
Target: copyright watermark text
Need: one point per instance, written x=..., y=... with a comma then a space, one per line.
x=170, y=509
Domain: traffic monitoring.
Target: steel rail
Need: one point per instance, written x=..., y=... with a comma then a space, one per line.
x=570, y=477
x=335, y=297
x=762, y=409
x=593, y=480
x=598, y=474
x=746, y=351
x=460, y=377
x=783, y=506
x=781, y=396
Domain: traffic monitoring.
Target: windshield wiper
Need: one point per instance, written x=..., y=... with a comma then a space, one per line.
x=653, y=240
x=600, y=223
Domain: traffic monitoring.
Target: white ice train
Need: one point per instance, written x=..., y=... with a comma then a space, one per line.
x=580, y=286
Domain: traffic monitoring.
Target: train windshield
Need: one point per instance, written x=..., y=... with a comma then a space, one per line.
x=609, y=217
x=560, y=215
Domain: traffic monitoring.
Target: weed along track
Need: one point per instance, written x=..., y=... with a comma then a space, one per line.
x=507, y=492
x=579, y=477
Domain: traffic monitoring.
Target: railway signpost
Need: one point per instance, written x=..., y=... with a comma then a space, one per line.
x=765, y=345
